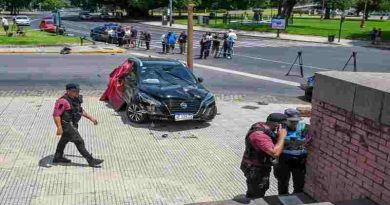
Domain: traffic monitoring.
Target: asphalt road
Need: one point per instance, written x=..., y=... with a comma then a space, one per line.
x=253, y=56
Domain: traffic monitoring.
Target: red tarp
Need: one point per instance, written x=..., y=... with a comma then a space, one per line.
x=115, y=89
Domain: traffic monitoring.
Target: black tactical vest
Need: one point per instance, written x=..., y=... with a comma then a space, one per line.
x=75, y=113
x=258, y=157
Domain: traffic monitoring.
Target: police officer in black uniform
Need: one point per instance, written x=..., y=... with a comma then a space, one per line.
x=67, y=114
x=263, y=142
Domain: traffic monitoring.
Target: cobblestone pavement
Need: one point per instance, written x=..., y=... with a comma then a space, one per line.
x=194, y=163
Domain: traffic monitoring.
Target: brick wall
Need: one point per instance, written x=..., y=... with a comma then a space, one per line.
x=349, y=156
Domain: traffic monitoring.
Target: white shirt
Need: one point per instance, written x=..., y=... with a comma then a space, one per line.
x=4, y=21
x=233, y=35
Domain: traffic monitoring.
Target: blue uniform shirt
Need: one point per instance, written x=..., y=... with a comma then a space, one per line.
x=295, y=142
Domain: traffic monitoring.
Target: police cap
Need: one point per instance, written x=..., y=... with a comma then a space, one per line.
x=277, y=118
x=72, y=86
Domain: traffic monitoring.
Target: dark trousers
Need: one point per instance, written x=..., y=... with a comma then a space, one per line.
x=71, y=134
x=204, y=51
x=147, y=45
x=164, y=47
x=182, y=47
x=287, y=167
x=257, y=180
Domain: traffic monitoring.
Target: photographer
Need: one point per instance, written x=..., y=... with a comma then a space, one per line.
x=263, y=142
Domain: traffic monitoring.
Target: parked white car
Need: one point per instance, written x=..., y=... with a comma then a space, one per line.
x=22, y=21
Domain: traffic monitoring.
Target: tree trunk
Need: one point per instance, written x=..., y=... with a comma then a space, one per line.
x=280, y=7
x=327, y=12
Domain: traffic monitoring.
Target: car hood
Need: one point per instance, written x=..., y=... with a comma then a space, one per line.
x=189, y=92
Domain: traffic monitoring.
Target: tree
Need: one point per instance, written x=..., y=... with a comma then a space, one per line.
x=372, y=5
x=52, y=4
x=335, y=4
x=14, y=6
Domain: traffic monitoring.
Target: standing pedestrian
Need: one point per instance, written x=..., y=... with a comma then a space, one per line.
x=216, y=44
x=203, y=46
x=263, y=142
x=127, y=37
x=373, y=35
x=67, y=114
x=168, y=46
x=133, y=38
x=182, y=42
x=121, y=35
x=148, y=38
x=292, y=161
x=141, y=39
x=5, y=24
x=172, y=41
x=163, y=40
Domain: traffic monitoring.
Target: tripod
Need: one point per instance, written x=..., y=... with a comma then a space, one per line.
x=299, y=57
x=354, y=62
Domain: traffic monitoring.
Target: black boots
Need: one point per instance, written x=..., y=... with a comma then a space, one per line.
x=94, y=162
x=60, y=159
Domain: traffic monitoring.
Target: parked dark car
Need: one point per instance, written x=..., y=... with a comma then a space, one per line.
x=106, y=33
x=165, y=89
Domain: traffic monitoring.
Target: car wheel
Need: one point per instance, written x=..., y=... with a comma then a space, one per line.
x=134, y=113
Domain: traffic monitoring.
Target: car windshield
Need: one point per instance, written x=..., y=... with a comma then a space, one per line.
x=165, y=75
x=22, y=17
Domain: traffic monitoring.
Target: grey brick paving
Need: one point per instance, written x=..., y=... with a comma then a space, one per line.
x=194, y=163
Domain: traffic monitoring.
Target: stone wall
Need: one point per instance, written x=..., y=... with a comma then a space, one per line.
x=349, y=155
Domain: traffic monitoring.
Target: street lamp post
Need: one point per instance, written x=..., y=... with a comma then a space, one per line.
x=190, y=62
x=342, y=18
x=364, y=14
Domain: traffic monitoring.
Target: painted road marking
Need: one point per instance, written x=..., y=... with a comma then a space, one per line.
x=260, y=77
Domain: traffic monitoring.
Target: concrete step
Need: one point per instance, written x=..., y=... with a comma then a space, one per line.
x=296, y=199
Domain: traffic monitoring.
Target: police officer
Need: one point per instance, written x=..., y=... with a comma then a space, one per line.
x=293, y=158
x=263, y=142
x=67, y=114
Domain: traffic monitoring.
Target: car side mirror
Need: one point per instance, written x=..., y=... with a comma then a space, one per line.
x=200, y=80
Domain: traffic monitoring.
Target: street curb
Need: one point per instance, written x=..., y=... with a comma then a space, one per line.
x=80, y=52
x=248, y=35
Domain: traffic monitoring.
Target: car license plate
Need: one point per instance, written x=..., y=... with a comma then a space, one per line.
x=183, y=116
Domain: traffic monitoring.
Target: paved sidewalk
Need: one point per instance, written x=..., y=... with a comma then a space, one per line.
x=314, y=39
x=91, y=49
x=194, y=163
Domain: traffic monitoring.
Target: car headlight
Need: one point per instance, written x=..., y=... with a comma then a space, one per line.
x=148, y=99
x=209, y=99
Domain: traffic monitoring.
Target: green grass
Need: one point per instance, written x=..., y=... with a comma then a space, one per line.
x=37, y=38
x=315, y=27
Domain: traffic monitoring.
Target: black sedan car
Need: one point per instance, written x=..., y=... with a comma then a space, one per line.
x=165, y=89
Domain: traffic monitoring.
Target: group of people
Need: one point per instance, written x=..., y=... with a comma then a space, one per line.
x=128, y=37
x=169, y=40
x=279, y=143
x=214, y=41
x=376, y=36
x=208, y=42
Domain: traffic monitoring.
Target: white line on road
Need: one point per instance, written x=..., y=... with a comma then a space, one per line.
x=260, y=77
x=281, y=62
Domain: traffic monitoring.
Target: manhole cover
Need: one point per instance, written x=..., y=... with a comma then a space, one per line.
x=250, y=107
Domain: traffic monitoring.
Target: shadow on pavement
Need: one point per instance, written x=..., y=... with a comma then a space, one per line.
x=165, y=126
x=47, y=162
